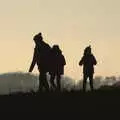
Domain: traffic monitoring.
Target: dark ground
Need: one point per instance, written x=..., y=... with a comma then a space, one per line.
x=101, y=101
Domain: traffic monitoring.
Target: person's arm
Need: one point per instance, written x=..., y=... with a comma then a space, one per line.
x=81, y=61
x=33, y=61
x=94, y=61
x=64, y=61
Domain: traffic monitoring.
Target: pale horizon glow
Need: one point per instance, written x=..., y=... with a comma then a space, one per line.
x=69, y=23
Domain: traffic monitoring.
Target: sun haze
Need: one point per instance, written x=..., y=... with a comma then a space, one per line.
x=73, y=24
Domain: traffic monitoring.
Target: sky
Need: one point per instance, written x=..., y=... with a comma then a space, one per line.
x=73, y=24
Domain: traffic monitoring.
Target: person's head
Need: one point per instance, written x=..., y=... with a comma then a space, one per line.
x=38, y=38
x=56, y=48
x=87, y=50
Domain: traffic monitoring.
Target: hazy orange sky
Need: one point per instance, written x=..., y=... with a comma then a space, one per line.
x=69, y=23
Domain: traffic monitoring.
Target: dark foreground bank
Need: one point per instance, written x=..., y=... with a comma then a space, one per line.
x=74, y=101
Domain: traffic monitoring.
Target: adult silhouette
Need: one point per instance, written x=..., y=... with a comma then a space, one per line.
x=41, y=58
x=57, y=67
x=88, y=61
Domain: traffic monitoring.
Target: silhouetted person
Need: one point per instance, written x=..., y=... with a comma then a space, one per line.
x=57, y=67
x=88, y=61
x=41, y=58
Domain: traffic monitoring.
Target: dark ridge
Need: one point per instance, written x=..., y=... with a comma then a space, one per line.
x=105, y=99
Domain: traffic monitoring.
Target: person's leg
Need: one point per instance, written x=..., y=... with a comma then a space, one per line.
x=91, y=82
x=84, y=82
x=45, y=82
x=41, y=84
x=52, y=78
x=59, y=82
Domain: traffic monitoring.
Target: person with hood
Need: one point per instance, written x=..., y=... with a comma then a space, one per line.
x=41, y=58
x=57, y=67
x=88, y=61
